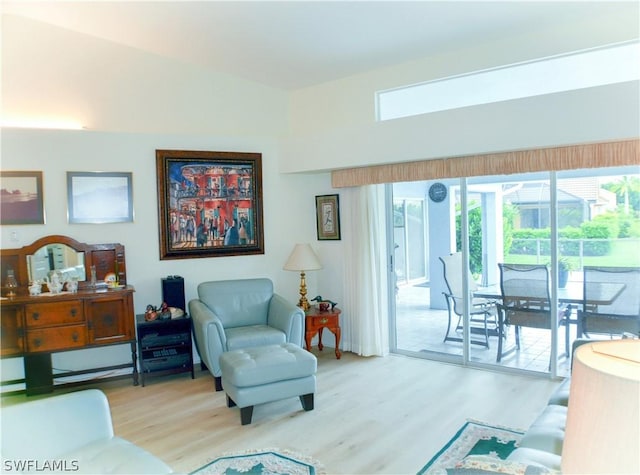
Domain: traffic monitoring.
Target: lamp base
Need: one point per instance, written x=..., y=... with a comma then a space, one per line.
x=303, y=303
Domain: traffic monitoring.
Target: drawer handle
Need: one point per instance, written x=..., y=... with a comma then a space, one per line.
x=74, y=336
x=324, y=320
x=37, y=342
x=74, y=312
x=35, y=315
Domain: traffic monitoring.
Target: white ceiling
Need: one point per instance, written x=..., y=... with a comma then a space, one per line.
x=295, y=44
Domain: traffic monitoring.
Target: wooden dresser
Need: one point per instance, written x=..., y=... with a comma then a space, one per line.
x=35, y=326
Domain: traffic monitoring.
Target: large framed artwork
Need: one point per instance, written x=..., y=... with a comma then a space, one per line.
x=328, y=217
x=210, y=203
x=21, y=199
x=99, y=197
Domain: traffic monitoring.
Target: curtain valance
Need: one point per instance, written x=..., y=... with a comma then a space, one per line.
x=596, y=155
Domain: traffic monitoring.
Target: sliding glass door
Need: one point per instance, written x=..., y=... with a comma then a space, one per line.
x=555, y=223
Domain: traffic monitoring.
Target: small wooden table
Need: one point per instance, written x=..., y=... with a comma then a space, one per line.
x=316, y=320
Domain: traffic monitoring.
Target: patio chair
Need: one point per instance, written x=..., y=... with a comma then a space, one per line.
x=526, y=302
x=482, y=311
x=611, y=301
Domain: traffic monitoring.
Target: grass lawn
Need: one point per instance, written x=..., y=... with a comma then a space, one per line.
x=624, y=253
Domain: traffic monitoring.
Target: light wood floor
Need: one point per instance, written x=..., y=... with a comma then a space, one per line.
x=372, y=415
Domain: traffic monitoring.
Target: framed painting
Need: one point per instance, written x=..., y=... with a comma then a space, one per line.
x=21, y=199
x=210, y=203
x=99, y=197
x=328, y=217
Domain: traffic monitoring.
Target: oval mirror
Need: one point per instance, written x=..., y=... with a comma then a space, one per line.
x=58, y=257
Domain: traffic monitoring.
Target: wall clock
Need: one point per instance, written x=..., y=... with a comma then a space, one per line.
x=437, y=192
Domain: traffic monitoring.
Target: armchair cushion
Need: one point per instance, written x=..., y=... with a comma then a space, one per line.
x=74, y=429
x=235, y=314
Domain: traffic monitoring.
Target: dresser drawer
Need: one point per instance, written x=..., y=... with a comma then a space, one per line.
x=57, y=338
x=54, y=313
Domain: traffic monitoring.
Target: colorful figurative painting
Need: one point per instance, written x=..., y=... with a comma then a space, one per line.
x=210, y=203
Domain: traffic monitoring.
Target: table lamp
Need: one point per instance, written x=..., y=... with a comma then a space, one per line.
x=603, y=420
x=303, y=259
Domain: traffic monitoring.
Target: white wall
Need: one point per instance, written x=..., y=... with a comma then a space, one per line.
x=333, y=124
x=289, y=214
x=50, y=72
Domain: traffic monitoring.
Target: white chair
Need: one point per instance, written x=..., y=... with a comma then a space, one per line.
x=482, y=311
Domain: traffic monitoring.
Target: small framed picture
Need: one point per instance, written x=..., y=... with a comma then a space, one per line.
x=21, y=199
x=99, y=197
x=328, y=217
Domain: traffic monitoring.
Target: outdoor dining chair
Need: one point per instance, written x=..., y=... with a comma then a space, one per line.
x=526, y=302
x=483, y=321
x=611, y=301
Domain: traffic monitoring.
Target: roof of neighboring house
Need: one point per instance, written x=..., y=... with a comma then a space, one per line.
x=540, y=193
x=573, y=189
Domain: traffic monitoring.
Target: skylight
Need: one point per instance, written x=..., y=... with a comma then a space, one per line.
x=595, y=67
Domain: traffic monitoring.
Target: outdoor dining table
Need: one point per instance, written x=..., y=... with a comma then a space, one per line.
x=600, y=293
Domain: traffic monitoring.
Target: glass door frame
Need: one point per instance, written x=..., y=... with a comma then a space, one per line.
x=466, y=360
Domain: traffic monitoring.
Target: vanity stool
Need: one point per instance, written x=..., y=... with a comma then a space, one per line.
x=262, y=374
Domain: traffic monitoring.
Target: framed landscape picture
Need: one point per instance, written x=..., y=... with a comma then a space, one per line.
x=328, y=217
x=99, y=197
x=210, y=203
x=21, y=199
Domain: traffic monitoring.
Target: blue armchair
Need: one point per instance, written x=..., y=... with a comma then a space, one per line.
x=233, y=314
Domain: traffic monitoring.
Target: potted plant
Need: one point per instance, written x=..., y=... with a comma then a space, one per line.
x=564, y=266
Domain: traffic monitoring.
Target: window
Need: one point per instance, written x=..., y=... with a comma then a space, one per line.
x=596, y=67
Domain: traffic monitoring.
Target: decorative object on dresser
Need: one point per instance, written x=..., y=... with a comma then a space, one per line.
x=210, y=203
x=317, y=320
x=37, y=322
x=164, y=346
x=302, y=259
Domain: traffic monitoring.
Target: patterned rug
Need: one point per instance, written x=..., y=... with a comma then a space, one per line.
x=261, y=462
x=474, y=438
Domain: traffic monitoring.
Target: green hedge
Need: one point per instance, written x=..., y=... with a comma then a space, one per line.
x=595, y=235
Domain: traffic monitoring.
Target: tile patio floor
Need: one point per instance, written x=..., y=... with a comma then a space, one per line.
x=421, y=329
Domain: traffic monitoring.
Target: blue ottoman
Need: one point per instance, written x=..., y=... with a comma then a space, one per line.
x=262, y=374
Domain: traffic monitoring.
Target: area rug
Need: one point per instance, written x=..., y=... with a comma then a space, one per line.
x=261, y=462
x=474, y=438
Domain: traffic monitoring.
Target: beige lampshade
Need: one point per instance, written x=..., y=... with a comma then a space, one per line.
x=302, y=259
x=603, y=421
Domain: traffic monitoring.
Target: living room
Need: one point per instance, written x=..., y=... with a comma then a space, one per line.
x=131, y=102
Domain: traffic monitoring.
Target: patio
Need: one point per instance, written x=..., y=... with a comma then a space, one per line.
x=421, y=329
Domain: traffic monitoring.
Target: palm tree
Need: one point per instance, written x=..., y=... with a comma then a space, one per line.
x=625, y=186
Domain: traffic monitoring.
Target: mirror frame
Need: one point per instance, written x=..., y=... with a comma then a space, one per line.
x=106, y=257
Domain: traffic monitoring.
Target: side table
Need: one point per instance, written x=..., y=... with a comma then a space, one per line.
x=316, y=320
x=164, y=346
